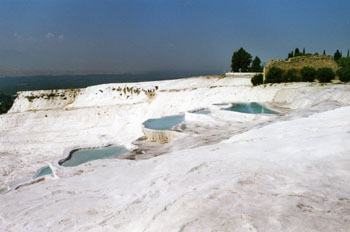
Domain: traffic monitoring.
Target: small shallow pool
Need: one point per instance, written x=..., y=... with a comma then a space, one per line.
x=43, y=172
x=202, y=112
x=164, y=123
x=85, y=155
x=250, y=108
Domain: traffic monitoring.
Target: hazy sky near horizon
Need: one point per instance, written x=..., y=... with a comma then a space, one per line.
x=151, y=35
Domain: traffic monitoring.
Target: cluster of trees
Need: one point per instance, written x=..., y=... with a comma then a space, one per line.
x=297, y=52
x=242, y=62
x=344, y=69
x=306, y=74
x=337, y=55
x=6, y=102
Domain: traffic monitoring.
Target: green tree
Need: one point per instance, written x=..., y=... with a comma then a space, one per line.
x=308, y=74
x=337, y=55
x=290, y=55
x=325, y=75
x=344, y=69
x=296, y=52
x=256, y=65
x=258, y=79
x=347, y=55
x=241, y=60
x=344, y=74
x=274, y=75
x=324, y=52
x=344, y=62
x=303, y=51
x=291, y=76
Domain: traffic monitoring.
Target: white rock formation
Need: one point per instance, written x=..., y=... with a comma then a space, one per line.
x=162, y=136
x=288, y=172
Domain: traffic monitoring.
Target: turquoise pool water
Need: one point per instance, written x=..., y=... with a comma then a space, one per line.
x=250, y=108
x=85, y=155
x=43, y=172
x=202, y=112
x=164, y=123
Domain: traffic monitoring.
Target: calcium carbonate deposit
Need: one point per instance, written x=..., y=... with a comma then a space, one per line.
x=223, y=171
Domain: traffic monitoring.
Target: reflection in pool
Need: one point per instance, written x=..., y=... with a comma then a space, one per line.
x=164, y=123
x=43, y=172
x=250, y=108
x=85, y=155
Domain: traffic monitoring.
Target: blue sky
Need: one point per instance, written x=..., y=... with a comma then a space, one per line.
x=153, y=35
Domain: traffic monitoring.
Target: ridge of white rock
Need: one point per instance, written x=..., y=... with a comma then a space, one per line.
x=162, y=136
x=287, y=172
x=40, y=128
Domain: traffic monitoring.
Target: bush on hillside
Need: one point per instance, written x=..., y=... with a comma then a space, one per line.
x=325, y=75
x=344, y=74
x=274, y=75
x=284, y=77
x=257, y=79
x=308, y=74
x=344, y=62
x=291, y=75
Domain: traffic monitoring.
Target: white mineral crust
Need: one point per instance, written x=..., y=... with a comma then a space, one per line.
x=231, y=172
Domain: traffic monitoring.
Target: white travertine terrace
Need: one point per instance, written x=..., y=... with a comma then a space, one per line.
x=227, y=172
